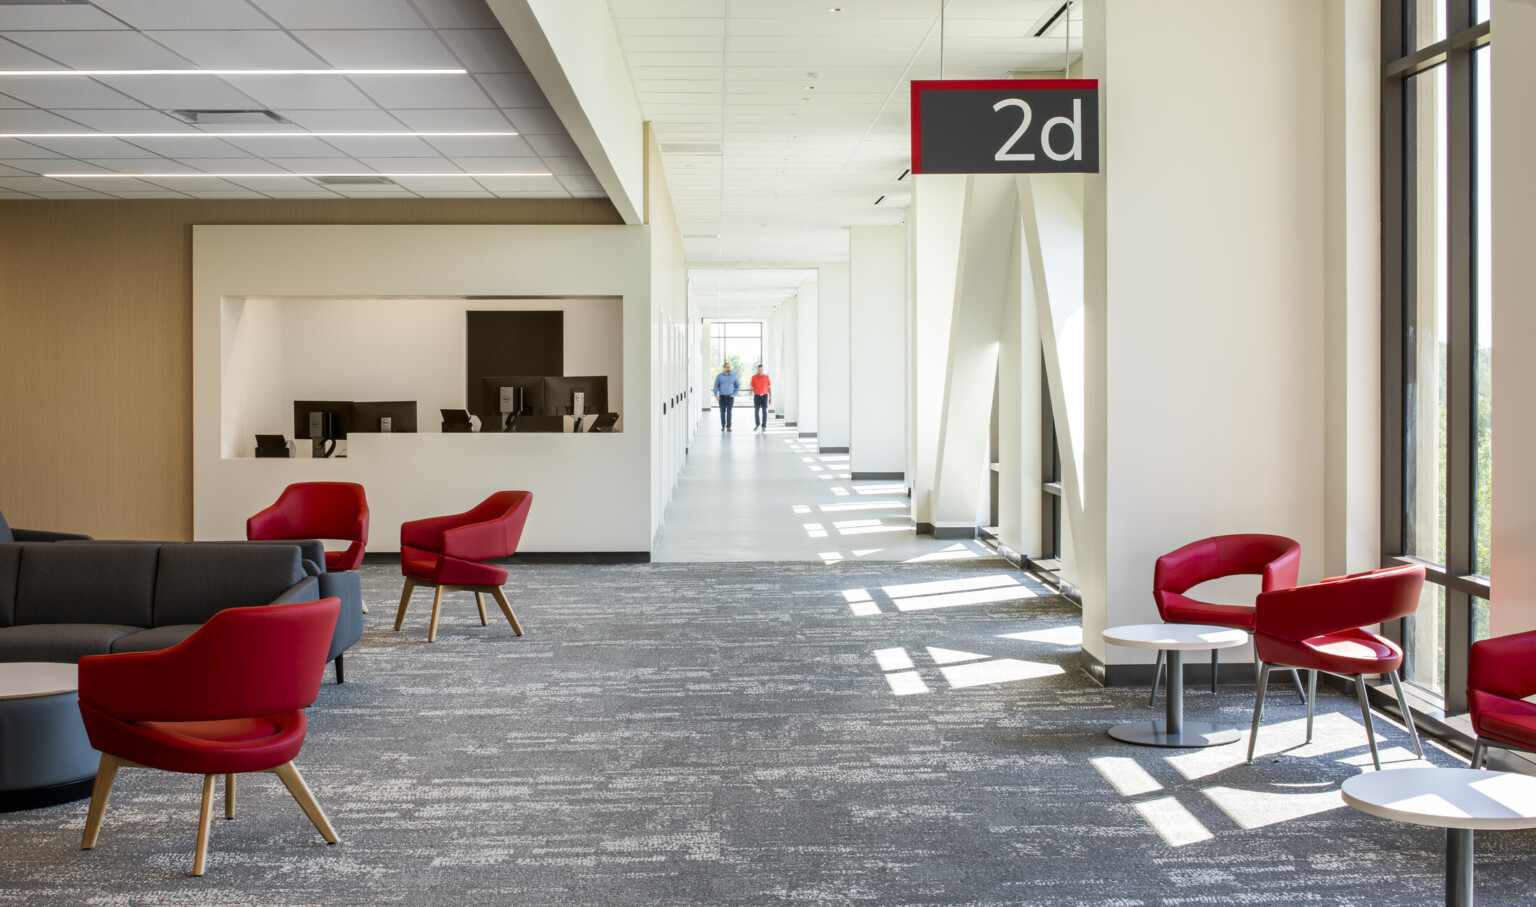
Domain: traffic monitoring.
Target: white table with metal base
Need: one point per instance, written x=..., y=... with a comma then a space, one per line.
x=1174, y=639
x=1460, y=800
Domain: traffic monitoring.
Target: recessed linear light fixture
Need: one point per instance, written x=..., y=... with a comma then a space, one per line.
x=243, y=135
x=248, y=176
x=8, y=73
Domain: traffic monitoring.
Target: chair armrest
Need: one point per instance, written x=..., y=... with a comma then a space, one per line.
x=478, y=541
x=1504, y=666
x=427, y=533
x=268, y=523
x=43, y=535
x=305, y=590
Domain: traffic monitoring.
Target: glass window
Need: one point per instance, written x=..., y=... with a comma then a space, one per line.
x=1424, y=641
x=1482, y=239
x=1425, y=365
x=738, y=342
x=1481, y=10
x=1426, y=23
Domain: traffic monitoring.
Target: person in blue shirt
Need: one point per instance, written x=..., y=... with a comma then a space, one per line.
x=726, y=386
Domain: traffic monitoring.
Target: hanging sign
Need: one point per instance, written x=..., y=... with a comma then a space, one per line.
x=1006, y=126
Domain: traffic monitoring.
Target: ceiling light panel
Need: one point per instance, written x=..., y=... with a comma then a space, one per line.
x=447, y=69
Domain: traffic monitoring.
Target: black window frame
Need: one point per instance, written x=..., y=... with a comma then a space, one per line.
x=1400, y=62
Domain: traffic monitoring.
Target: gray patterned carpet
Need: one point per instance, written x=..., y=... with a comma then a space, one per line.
x=731, y=734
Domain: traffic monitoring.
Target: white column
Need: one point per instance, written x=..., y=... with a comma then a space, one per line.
x=938, y=202
x=1514, y=317
x=833, y=371
x=786, y=381
x=877, y=266
x=807, y=357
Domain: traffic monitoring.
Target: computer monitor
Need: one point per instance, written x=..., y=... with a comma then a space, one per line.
x=492, y=418
x=330, y=419
x=271, y=446
x=369, y=417
x=456, y=420
x=560, y=395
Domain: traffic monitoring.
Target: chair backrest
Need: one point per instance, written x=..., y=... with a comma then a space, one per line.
x=1275, y=558
x=507, y=512
x=242, y=663
x=1340, y=603
x=1504, y=666
x=314, y=510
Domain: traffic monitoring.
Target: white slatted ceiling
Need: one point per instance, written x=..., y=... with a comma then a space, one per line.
x=746, y=294
x=497, y=95
x=801, y=165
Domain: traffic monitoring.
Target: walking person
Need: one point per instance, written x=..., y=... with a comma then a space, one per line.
x=726, y=386
x=762, y=395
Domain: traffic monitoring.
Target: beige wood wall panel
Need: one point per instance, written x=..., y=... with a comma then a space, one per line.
x=96, y=345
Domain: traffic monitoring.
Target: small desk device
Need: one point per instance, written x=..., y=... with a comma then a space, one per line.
x=456, y=420
x=511, y=404
x=272, y=446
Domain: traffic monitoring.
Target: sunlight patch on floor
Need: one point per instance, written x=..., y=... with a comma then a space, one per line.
x=997, y=670
x=1173, y=823
x=1071, y=635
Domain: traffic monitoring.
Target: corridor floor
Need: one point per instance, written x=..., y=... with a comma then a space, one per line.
x=770, y=496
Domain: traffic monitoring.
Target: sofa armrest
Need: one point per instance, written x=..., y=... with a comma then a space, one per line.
x=42, y=535
x=305, y=590
x=348, y=587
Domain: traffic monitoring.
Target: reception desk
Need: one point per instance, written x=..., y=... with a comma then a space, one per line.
x=592, y=492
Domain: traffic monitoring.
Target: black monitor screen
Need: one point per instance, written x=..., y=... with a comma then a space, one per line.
x=341, y=416
x=558, y=393
x=401, y=414
x=488, y=407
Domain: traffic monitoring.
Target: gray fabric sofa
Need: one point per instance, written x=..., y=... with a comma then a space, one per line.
x=59, y=602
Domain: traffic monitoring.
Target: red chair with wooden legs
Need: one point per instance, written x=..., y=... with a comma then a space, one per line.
x=227, y=700
x=1321, y=627
x=1500, y=675
x=448, y=553
x=1274, y=558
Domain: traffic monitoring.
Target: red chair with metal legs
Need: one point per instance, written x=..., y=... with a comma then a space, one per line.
x=1500, y=675
x=1274, y=558
x=227, y=700
x=317, y=510
x=447, y=552
x=1321, y=627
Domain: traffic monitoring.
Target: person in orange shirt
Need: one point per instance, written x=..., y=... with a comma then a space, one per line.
x=762, y=395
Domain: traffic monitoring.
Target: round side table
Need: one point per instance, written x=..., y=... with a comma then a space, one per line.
x=1460, y=800
x=1174, y=639
x=45, y=757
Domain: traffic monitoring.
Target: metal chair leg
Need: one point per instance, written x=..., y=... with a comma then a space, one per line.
x=1479, y=755
x=1157, y=678
x=1365, y=713
x=1402, y=703
x=1215, y=660
x=1258, y=709
x=1311, y=701
x=1296, y=679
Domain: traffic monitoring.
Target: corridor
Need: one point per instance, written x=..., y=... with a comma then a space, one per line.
x=770, y=496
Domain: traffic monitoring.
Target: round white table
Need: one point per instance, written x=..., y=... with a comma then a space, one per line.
x=1174, y=639
x=45, y=756
x=1460, y=800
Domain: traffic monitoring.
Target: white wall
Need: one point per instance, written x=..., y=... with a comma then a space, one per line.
x=307, y=348
x=877, y=266
x=807, y=357
x=939, y=202
x=833, y=371
x=1514, y=317
x=592, y=492
x=1206, y=228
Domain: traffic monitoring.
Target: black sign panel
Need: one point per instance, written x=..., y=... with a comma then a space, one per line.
x=1006, y=126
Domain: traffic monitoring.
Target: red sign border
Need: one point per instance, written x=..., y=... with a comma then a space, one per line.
x=920, y=86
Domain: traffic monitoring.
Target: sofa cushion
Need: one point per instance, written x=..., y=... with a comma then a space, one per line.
x=153, y=640
x=197, y=581
x=10, y=563
x=87, y=583
x=59, y=642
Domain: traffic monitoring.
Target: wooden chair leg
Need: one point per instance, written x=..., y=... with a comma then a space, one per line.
x=501, y=599
x=405, y=600
x=296, y=786
x=204, y=819
x=229, y=796
x=437, y=607
x=106, y=775
x=480, y=603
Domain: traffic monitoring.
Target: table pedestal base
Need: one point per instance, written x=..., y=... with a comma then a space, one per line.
x=1458, y=867
x=1189, y=734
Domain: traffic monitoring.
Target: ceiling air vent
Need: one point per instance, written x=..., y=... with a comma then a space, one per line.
x=690, y=148
x=232, y=117
x=360, y=179
x=701, y=236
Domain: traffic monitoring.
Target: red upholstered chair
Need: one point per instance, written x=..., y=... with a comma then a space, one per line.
x=317, y=510
x=1321, y=627
x=1274, y=558
x=447, y=552
x=227, y=700
x=1501, y=674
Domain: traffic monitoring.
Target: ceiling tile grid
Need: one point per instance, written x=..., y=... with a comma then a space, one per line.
x=496, y=95
x=804, y=105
